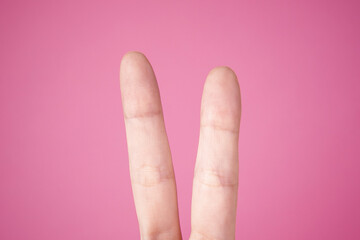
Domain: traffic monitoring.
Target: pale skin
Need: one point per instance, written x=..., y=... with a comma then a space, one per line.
x=215, y=182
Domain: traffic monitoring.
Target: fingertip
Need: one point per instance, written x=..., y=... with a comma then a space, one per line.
x=131, y=55
x=225, y=79
x=222, y=73
x=221, y=101
x=138, y=85
x=133, y=61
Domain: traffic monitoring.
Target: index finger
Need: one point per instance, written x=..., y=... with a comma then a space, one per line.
x=215, y=185
x=151, y=170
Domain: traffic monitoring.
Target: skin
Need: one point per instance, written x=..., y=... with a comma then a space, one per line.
x=215, y=183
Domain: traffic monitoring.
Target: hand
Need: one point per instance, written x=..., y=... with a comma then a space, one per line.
x=215, y=184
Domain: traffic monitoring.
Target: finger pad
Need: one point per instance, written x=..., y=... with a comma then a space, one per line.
x=221, y=103
x=139, y=89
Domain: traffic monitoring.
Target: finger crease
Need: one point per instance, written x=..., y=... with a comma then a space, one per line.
x=213, y=178
x=149, y=176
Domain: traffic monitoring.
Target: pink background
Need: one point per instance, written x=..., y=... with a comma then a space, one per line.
x=63, y=157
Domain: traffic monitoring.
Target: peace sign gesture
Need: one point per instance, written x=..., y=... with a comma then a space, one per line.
x=215, y=182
